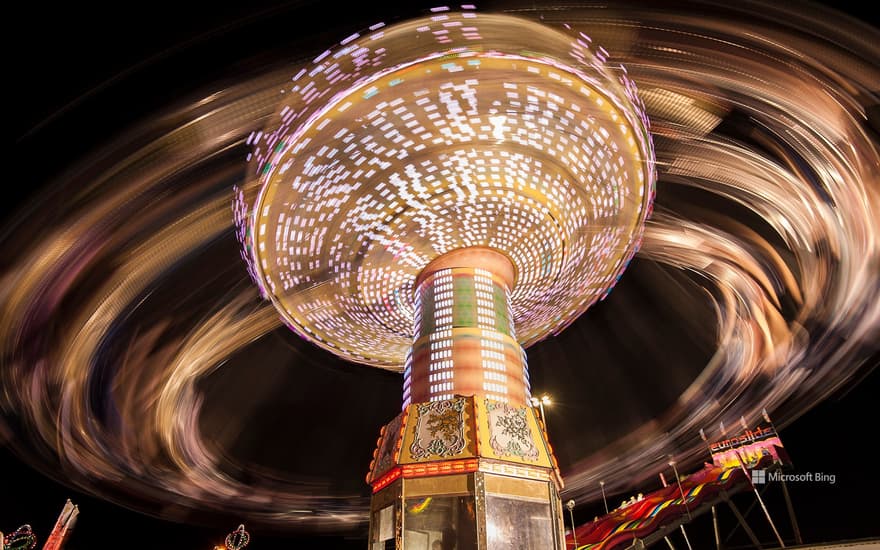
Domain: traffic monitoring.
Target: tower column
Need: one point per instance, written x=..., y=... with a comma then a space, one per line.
x=464, y=341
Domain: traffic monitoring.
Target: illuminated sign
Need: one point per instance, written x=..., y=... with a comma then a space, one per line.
x=749, y=448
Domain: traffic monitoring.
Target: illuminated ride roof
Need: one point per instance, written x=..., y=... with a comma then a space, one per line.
x=448, y=131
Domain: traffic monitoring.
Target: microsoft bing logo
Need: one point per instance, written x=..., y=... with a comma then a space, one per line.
x=761, y=477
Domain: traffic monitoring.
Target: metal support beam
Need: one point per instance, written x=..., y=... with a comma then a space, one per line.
x=791, y=516
x=685, y=535
x=715, y=528
x=742, y=522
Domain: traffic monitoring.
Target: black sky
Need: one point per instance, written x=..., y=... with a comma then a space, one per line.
x=80, y=73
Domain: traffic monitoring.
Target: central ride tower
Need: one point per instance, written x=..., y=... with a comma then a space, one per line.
x=467, y=463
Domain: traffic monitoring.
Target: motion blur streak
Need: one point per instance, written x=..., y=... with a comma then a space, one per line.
x=111, y=318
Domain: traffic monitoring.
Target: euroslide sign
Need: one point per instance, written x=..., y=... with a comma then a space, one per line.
x=748, y=448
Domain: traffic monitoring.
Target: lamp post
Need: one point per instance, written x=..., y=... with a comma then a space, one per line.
x=680, y=489
x=544, y=400
x=683, y=501
x=604, y=500
x=570, y=506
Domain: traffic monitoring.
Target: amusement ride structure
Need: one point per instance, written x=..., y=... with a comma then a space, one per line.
x=433, y=197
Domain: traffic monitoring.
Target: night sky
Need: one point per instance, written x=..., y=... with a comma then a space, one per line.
x=80, y=75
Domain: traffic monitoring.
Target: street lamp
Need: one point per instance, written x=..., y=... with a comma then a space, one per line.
x=602, y=485
x=680, y=489
x=544, y=400
x=570, y=506
x=683, y=500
